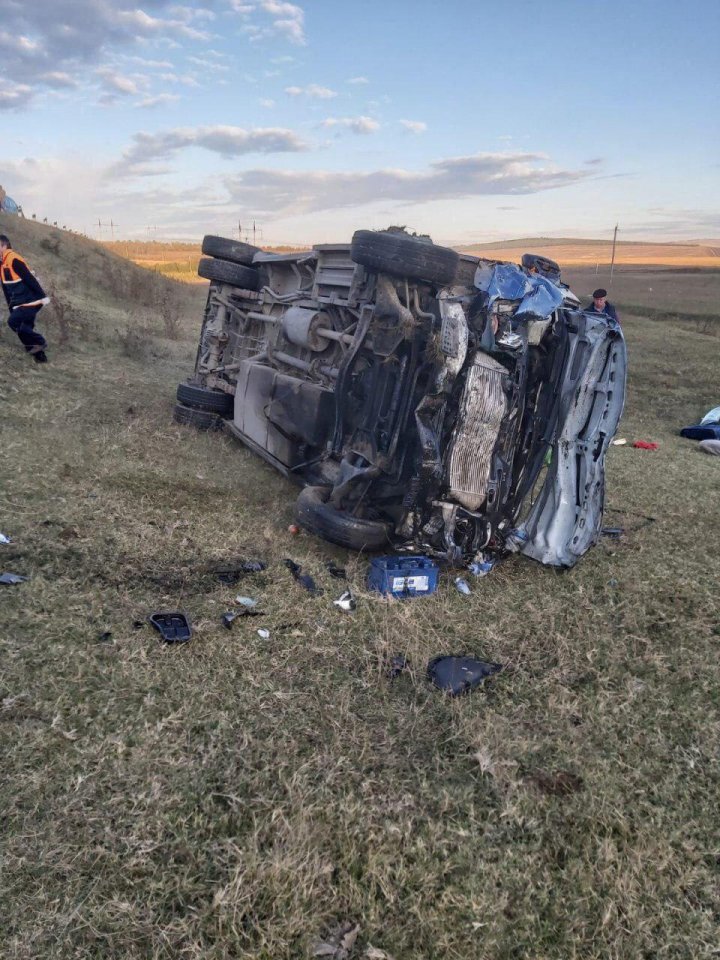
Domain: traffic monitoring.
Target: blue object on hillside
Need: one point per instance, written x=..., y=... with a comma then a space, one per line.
x=403, y=576
x=710, y=431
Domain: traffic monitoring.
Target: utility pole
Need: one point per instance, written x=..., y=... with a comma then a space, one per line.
x=612, y=261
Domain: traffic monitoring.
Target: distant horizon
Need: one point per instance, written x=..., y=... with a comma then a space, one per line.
x=648, y=241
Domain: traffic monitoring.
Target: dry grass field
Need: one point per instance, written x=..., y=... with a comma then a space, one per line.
x=179, y=260
x=239, y=797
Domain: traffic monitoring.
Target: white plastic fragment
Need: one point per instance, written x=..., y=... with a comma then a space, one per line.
x=4, y=539
x=263, y=633
x=10, y=579
x=619, y=443
x=462, y=586
x=346, y=602
x=246, y=601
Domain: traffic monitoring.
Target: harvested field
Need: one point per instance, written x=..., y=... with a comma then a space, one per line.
x=238, y=797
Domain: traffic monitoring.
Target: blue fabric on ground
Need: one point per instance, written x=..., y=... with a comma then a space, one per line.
x=698, y=432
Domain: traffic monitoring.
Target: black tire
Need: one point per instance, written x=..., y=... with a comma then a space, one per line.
x=234, y=274
x=202, y=419
x=353, y=533
x=544, y=265
x=231, y=250
x=404, y=256
x=200, y=398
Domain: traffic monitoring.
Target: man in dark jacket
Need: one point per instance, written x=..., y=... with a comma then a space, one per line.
x=601, y=304
x=25, y=298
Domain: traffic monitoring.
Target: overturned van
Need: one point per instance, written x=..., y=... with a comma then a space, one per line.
x=419, y=397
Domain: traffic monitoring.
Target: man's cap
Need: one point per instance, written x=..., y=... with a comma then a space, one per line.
x=597, y=294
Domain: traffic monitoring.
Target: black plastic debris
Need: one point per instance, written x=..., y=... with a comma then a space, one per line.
x=230, y=616
x=10, y=579
x=138, y=624
x=172, y=627
x=457, y=675
x=232, y=573
x=304, y=579
x=613, y=531
x=398, y=664
x=339, y=573
x=105, y=637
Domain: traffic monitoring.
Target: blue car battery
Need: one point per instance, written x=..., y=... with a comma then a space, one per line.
x=403, y=576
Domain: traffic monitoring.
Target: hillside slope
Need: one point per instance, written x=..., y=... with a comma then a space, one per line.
x=96, y=292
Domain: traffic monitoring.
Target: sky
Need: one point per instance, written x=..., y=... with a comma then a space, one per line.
x=470, y=121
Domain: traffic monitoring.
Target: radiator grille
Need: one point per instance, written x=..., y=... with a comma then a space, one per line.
x=482, y=408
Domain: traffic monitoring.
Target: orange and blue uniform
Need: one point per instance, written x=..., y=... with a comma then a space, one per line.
x=21, y=288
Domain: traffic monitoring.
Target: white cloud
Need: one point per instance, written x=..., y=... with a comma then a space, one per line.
x=414, y=126
x=286, y=192
x=358, y=80
x=151, y=64
x=186, y=79
x=226, y=141
x=139, y=20
x=312, y=90
x=356, y=124
x=285, y=19
x=44, y=40
x=157, y=100
x=268, y=104
x=57, y=79
x=207, y=63
x=116, y=83
x=13, y=95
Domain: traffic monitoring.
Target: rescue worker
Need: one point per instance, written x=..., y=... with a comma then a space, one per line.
x=25, y=298
x=601, y=304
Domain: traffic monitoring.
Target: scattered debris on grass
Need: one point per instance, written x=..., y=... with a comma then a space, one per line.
x=613, y=531
x=346, y=601
x=246, y=601
x=481, y=568
x=4, y=538
x=338, y=943
x=457, y=675
x=231, y=573
x=398, y=664
x=374, y=953
x=462, y=586
x=263, y=634
x=105, y=637
x=11, y=578
x=339, y=573
x=230, y=616
x=620, y=442
x=294, y=529
x=645, y=445
x=172, y=627
x=304, y=579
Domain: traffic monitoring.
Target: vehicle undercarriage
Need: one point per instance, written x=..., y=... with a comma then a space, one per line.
x=421, y=399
